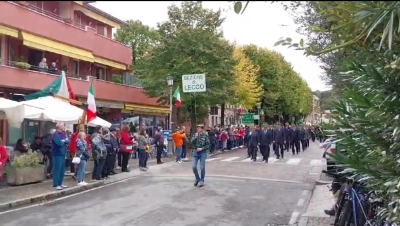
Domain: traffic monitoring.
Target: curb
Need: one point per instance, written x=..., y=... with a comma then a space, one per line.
x=48, y=197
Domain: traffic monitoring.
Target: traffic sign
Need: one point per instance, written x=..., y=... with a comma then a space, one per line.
x=195, y=83
x=248, y=119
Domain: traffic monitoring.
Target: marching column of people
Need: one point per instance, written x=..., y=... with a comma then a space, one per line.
x=282, y=139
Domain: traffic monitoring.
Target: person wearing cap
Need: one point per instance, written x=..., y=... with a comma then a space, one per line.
x=201, y=144
x=115, y=148
x=99, y=152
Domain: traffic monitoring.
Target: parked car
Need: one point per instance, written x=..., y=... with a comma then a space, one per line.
x=332, y=146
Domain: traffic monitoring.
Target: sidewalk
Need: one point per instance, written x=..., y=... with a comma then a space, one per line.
x=321, y=200
x=11, y=197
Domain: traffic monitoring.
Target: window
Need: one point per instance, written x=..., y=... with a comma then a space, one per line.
x=100, y=73
x=212, y=121
x=75, y=68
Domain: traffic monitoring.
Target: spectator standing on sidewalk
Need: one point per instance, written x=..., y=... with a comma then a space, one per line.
x=72, y=147
x=211, y=136
x=99, y=152
x=3, y=157
x=83, y=153
x=158, y=141
x=106, y=140
x=184, y=145
x=223, y=137
x=115, y=148
x=60, y=143
x=126, y=147
x=178, y=138
x=46, y=151
x=143, y=142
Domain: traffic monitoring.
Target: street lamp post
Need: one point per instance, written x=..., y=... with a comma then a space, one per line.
x=170, y=82
x=258, y=113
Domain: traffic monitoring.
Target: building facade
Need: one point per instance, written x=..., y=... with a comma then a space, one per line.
x=231, y=116
x=77, y=38
x=315, y=115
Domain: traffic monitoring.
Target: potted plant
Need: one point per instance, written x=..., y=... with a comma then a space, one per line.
x=25, y=169
x=68, y=20
x=23, y=3
x=20, y=63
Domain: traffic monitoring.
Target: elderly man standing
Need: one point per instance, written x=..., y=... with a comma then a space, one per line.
x=60, y=143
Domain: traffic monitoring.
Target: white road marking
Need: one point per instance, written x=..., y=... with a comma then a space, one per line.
x=293, y=218
x=305, y=192
x=213, y=159
x=230, y=159
x=293, y=161
x=246, y=160
x=316, y=162
x=272, y=160
x=300, y=202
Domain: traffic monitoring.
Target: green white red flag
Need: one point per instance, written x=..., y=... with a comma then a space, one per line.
x=177, y=97
x=91, y=111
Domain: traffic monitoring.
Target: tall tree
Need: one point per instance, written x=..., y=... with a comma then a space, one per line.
x=138, y=36
x=248, y=90
x=191, y=42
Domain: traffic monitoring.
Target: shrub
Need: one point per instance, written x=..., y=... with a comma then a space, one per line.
x=29, y=160
x=22, y=65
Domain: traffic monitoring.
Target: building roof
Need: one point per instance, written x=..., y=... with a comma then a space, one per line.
x=100, y=12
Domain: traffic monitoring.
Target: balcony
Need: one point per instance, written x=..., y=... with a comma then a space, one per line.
x=29, y=77
x=27, y=18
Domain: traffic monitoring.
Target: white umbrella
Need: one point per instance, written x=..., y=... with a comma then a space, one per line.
x=15, y=112
x=58, y=110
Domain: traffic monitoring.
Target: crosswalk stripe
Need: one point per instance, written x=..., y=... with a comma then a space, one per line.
x=272, y=160
x=230, y=159
x=293, y=161
x=316, y=162
x=212, y=159
x=246, y=160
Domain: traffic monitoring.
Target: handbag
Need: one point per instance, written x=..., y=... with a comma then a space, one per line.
x=76, y=160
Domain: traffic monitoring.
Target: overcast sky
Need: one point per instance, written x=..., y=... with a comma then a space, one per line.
x=261, y=24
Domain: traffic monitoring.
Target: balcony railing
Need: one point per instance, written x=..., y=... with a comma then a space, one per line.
x=49, y=14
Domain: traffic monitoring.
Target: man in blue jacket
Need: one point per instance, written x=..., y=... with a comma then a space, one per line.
x=60, y=143
x=278, y=139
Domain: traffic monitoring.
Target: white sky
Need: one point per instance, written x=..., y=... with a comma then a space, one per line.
x=260, y=25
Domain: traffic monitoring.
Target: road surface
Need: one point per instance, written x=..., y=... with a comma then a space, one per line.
x=237, y=193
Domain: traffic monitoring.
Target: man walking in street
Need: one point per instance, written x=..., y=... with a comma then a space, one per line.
x=265, y=141
x=288, y=138
x=60, y=143
x=201, y=144
x=254, y=141
x=279, y=138
x=295, y=140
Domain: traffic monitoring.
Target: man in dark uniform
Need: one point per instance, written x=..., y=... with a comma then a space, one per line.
x=295, y=140
x=302, y=137
x=211, y=135
x=279, y=138
x=254, y=141
x=265, y=141
x=288, y=134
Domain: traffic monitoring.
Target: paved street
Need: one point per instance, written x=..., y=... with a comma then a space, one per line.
x=236, y=193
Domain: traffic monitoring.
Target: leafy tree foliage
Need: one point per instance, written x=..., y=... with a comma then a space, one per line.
x=285, y=93
x=191, y=42
x=138, y=36
x=248, y=90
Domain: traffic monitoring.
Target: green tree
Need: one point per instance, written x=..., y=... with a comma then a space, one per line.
x=191, y=42
x=138, y=36
x=285, y=93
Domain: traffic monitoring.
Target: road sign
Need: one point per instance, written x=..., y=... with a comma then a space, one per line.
x=195, y=83
x=248, y=119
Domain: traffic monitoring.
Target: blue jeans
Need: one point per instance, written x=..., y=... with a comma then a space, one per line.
x=178, y=151
x=142, y=158
x=98, y=169
x=58, y=170
x=199, y=156
x=81, y=171
x=183, y=154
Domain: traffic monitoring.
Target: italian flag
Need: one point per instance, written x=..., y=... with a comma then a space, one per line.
x=91, y=111
x=177, y=97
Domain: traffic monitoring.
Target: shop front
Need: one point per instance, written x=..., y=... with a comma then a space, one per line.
x=142, y=116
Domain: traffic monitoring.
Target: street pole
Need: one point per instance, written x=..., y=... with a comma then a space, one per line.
x=170, y=109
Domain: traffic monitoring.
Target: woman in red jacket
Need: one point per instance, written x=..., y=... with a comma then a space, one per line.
x=3, y=157
x=126, y=147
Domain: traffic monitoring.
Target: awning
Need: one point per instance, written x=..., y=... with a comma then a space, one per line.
x=109, y=63
x=37, y=42
x=106, y=104
x=97, y=17
x=142, y=109
x=8, y=31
